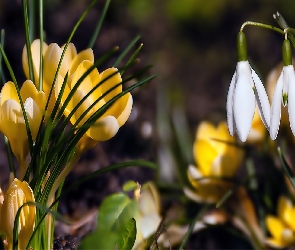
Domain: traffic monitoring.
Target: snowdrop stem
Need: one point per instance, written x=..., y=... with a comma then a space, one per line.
x=262, y=25
x=287, y=53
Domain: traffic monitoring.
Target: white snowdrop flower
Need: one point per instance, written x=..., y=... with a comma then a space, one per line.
x=284, y=92
x=245, y=92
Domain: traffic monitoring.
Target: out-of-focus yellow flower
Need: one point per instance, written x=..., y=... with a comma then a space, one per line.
x=148, y=218
x=216, y=158
x=12, y=123
x=110, y=122
x=17, y=194
x=258, y=130
x=51, y=57
x=282, y=227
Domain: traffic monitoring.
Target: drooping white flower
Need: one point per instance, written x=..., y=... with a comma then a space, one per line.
x=284, y=93
x=245, y=91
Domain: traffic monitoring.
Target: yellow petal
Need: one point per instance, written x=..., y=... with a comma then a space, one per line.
x=194, y=175
x=89, y=82
x=204, y=154
x=9, y=92
x=82, y=56
x=78, y=96
x=70, y=53
x=18, y=194
x=35, y=49
x=104, y=129
x=13, y=126
x=285, y=209
x=34, y=116
x=111, y=79
x=121, y=109
x=51, y=60
x=275, y=227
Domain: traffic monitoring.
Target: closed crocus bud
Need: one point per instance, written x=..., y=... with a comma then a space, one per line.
x=18, y=194
x=109, y=123
x=12, y=122
x=216, y=157
x=282, y=227
x=148, y=217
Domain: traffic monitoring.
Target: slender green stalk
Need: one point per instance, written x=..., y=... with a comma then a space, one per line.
x=28, y=41
x=41, y=44
x=192, y=225
x=98, y=26
x=31, y=15
x=9, y=155
x=262, y=25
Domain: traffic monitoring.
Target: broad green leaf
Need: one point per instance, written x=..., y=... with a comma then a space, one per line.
x=115, y=213
x=128, y=237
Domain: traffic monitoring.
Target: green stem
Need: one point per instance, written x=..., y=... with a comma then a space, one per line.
x=262, y=25
x=41, y=44
x=62, y=176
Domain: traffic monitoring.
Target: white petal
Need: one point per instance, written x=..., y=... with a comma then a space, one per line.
x=287, y=78
x=291, y=101
x=229, y=106
x=244, y=101
x=275, y=112
x=262, y=100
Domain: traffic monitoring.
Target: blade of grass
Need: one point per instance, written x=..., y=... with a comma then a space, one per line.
x=127, y=49
x=287, y=168
x=98, y=26
x=41, y=43
x=28, y=41
x=192, y=225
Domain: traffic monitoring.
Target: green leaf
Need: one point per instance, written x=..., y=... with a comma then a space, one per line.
x=130, y=186
x=287, y=168
x=114, y=217
x=128, y=237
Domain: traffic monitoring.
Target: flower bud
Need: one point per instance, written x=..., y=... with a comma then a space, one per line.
x=18, y=194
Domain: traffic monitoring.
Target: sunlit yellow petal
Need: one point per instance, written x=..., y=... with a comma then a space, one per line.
x=275, y=226
x=89, y=82
x=111, y=79
x=34, y=115
x=9, y=92
x=51, y=60
x=204, y=154
x=71, y=52
x=35, y=49
x=104, y=129
x=121, y=109
x=275, y=243
x=82, y=56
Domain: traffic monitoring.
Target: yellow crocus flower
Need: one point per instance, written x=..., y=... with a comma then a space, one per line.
x=18, y=193
x=258, y=130
x=282, y=227
x=12, y=122
x=110, y=122
x=216, y=157
x=51, y=57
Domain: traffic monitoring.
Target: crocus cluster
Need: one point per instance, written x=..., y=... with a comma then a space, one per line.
x=246, y=92
x=23, y=110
